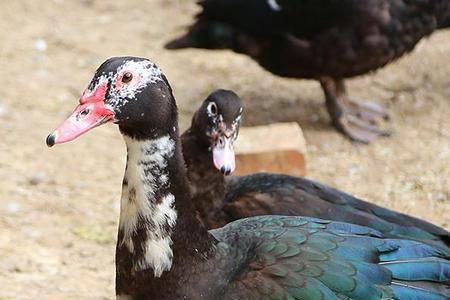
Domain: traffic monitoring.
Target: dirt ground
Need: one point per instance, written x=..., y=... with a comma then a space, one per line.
x=59, y=207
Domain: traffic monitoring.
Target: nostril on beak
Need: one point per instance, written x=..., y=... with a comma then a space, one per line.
x=83, y=114
x=51, y=139
x=225, y=170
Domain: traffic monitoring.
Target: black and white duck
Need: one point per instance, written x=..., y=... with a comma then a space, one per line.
x=220, y=200
x=163, y=251
x=325, y=40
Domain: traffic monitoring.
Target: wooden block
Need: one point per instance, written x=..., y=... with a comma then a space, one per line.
x=275, y=148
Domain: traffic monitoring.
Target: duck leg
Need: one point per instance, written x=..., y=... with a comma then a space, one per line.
x=356, y=120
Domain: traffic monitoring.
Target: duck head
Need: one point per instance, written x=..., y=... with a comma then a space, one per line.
x=126, y=91
x=216, y=123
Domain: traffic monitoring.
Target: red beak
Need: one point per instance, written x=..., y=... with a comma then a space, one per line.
x=91, y=112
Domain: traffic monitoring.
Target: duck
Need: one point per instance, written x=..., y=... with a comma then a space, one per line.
x=208, y=151
x=324, y=40
x=220, y=199
x=163, y=251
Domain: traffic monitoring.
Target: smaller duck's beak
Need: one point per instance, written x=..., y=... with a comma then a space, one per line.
x=223, y=154
x=84, y=118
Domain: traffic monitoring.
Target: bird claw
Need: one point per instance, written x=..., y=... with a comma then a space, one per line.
x=359, y=121
x=359, y=129
x=368, y=111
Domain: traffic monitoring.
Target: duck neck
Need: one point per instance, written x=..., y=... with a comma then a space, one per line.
x=207, y=184
x=157, y=227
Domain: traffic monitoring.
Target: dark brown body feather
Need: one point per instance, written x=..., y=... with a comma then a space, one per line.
x=312, y=39
x=326, y=40
x=221, y=200
x=278, y=194
x=207, y=183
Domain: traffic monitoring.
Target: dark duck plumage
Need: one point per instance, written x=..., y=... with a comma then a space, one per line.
x=215, y=126
x=326, y=40
x=221, y=200
x=163, y=252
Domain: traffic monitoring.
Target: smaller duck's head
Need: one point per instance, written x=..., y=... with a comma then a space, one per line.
x=129, y=91
x=216, y=123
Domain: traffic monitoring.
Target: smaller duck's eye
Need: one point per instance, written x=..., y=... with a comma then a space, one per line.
x=127, y=77
x=212, y=109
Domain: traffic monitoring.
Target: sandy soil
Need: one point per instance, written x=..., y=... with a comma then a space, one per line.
x=59, y=207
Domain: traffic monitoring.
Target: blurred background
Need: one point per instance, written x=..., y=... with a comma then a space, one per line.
x=59, y=208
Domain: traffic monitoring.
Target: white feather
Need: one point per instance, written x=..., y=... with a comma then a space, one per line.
x=144, y=71
x=158, y=256
x=274, y=5
x=141, y=155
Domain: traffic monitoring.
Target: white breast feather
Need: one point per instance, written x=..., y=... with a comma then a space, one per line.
x=158, y=253
x=158, y=256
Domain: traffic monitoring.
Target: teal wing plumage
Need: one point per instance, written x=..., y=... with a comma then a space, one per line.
x=268, y=194
x=307, y=258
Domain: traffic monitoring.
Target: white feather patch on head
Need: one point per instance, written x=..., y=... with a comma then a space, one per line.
x=238, y=119
x=147, y=73
x=144, y=72
x=274, y=5
x=209, y=109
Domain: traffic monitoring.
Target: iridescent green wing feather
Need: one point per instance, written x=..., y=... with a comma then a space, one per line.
x=306, y=258
x=287, y=195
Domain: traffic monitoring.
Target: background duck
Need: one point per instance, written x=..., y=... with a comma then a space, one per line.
x=326, y=40
x=221, y=200
x=163, y=252
x=209, y=153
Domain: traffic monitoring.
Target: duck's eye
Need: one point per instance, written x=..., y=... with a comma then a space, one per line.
x=212, y=109
x=127, y=77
